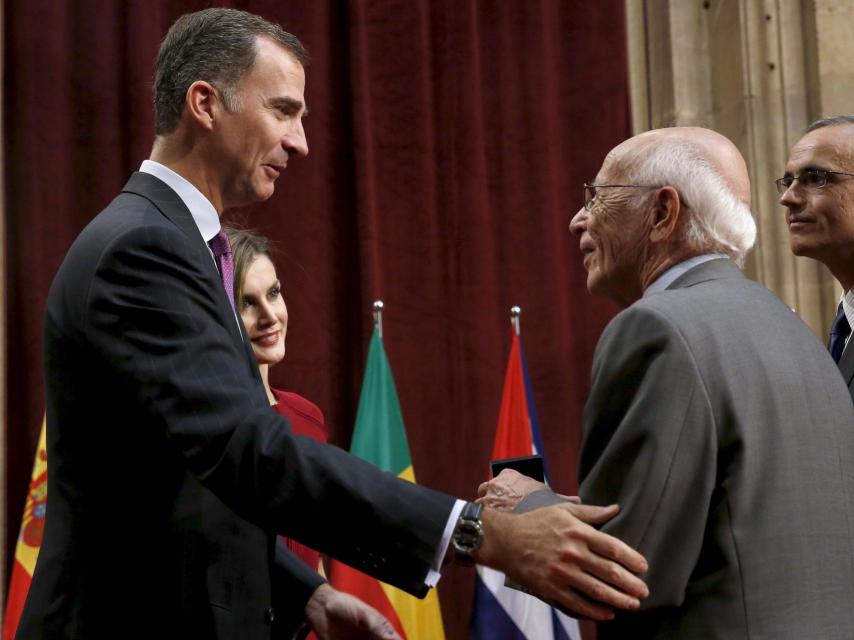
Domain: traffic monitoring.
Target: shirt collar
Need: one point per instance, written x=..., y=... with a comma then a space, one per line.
x=203, y=212
x=848, y=306
x=668, y=277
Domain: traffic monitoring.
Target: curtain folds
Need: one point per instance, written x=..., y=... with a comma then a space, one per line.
x=448, y=144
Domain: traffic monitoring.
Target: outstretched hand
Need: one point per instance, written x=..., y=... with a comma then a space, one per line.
x=506, y=489
x=335, y=615
x=556, y=554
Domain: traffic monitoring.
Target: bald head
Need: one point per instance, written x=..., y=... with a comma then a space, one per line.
x=722, y=156
x=710, y=176
x=660, y=198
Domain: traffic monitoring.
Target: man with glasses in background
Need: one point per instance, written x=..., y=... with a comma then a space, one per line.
x=715, y=418
x=818, y=191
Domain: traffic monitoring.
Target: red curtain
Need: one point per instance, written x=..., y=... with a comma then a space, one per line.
x=448, y=140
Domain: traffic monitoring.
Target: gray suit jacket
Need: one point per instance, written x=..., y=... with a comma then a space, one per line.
x=721, y=426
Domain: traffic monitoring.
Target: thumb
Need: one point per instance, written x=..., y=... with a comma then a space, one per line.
x=591, y=514
x=482, y=489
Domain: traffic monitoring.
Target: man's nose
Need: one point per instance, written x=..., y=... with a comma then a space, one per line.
x=295, y=141
x=792, y=197
x=579, y=222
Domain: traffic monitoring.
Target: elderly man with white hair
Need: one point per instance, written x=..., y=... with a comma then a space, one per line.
x=716, y=419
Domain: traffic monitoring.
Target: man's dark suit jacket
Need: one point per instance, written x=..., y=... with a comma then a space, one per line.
x=169, y=474
x=719, y=424
x=846, y=366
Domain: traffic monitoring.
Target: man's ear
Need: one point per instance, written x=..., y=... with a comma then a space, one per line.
x=667, y=211
x=201, y=103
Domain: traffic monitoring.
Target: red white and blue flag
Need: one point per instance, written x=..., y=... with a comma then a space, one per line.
x=501, y=613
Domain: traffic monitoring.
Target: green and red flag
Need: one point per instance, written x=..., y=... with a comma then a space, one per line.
x=380, y=438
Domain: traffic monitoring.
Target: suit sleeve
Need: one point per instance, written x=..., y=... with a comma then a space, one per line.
x=154, y=311
x=650, y=446
x=293, y=585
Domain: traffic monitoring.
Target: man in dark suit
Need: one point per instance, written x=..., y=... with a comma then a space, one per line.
x=715, y=417
x=169, y=474
x=818, y=191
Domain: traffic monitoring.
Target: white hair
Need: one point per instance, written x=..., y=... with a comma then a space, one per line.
x=718, y=222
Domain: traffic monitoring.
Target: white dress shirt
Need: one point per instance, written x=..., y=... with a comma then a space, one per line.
x=848, y=308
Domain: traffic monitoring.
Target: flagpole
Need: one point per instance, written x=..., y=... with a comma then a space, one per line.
x=515, y=312
x=378, y=316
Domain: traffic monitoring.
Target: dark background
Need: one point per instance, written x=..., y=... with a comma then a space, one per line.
x=448, y=143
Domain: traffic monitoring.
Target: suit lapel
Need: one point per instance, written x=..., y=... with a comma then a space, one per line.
x=170, y=205
x=247, y=349
x=846, y=364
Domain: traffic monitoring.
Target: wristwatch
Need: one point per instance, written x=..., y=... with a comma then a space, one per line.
x=468, y=534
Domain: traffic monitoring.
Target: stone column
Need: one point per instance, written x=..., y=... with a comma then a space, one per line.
x=758, y=71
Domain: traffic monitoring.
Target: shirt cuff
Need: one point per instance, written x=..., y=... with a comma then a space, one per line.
x=435, y=571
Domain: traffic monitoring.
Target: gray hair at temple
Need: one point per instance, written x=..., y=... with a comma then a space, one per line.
x=718, y=221
x=829, y=122
x=214, y=45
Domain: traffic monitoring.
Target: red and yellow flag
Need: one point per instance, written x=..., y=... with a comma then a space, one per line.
x=29, y=541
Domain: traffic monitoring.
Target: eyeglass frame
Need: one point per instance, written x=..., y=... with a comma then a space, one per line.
x=782, y=187
x=588, y=204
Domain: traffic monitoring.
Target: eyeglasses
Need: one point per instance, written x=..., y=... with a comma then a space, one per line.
x=809, y=179
x=590, y=191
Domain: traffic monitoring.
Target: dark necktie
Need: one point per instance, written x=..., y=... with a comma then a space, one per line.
x=221, y=248
x=839, y=332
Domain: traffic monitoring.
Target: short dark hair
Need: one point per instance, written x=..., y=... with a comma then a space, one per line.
x=829, y=122
x=214, y=45
x=246, y=245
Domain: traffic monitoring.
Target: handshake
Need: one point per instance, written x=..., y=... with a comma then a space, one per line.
x=564, y=559
x=549, y=545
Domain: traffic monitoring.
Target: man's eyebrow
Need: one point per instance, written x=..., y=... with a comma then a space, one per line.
x=813, y=167
x=290, y=105
x=809, y=167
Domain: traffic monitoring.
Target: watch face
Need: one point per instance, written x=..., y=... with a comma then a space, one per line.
x=468, y=536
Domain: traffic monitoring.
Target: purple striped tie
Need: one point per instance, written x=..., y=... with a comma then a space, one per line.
x=221, y=248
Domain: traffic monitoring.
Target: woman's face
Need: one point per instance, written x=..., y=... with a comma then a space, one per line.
x=263, y=310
